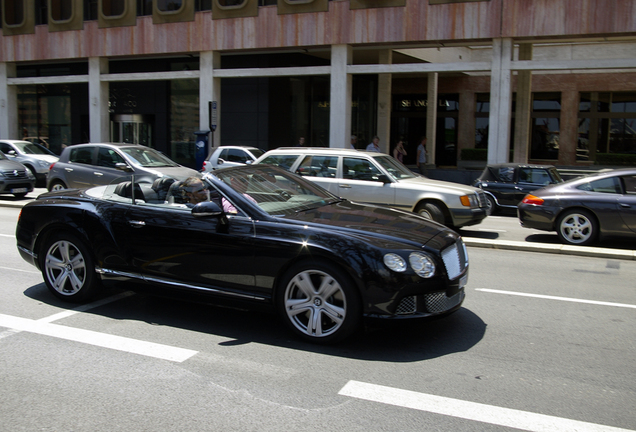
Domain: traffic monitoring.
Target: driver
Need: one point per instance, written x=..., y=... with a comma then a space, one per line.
x=195, y=191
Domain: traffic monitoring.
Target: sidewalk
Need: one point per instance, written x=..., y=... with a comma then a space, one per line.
x=596, y=252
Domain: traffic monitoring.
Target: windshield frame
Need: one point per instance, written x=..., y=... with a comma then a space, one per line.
x=158, y=160
x=394, y=168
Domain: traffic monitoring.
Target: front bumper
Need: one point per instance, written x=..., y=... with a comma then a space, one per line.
x=468, y=216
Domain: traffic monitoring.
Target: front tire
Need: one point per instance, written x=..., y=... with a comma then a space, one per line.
x=577, y=227
x=492, y=206
x=319, y=302
x=431, y=211
x=68, y=268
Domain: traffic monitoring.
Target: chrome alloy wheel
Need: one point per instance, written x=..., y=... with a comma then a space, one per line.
x=65, y=267
x=315, y=303
x=576, y=228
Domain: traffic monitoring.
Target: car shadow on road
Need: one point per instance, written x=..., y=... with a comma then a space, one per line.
x=404, y=341
x=467, y=232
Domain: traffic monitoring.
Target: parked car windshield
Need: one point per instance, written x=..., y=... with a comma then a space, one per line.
x=394, y=168
x=276, y=191
x=33, y=148
x=147, y=157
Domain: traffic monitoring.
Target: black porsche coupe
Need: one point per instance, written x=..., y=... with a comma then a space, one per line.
x=255, y=233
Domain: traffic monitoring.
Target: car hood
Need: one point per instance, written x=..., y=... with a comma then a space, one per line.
x=11, y=165
x=392, y=228
x=433, y=185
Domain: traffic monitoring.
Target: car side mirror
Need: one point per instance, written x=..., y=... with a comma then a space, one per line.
x=207, y=209
x=123, y=167
x=11, y=153
x=384, y=179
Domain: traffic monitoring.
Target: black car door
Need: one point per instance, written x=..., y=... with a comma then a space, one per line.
x=168, y=244
x=528, y=180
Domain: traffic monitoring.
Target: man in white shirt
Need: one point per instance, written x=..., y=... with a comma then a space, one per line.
x=375, y=145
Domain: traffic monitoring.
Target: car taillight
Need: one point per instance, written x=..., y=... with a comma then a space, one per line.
x=531, y=199
x=51, y=166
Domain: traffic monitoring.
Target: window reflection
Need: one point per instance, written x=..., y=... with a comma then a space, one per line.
x=61, y=10
x=113, y=8
x=14, y=12
x=169, y=5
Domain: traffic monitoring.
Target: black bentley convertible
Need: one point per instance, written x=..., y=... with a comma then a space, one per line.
x=255, y=233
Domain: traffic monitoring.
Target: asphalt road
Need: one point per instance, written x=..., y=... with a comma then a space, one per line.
x=543, y=343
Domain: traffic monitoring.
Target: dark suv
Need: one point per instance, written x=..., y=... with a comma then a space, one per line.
x=15, y=178
x=506, y=184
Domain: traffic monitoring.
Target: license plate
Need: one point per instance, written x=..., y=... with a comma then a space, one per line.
x=463, y=281
x=19, y=190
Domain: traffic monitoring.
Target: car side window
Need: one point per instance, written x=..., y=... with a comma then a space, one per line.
x=283, y=161
x=360, y=169
x=82, y=155
x=606, y=185
x=506, y=173
x=108, y=158
x=535, y=176
x=236, y=155
x=223, y=154
x=630, y=184
x=318, y=166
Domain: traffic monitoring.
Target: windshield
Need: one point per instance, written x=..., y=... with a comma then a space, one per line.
x=276, y=191
x=147, y=157
x=395, y=169
x=33, y=148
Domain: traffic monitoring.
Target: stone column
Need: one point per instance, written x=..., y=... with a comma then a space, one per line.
x=98, y=107
x=384, y=103
x=209, y=91
x=8, y=103
x=340, y=102
x=431, y=118
x=500, y=101
x=523, y=108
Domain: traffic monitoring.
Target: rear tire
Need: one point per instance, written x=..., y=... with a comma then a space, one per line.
x=68, y=268
x=57, y=185
x=577, y=227
x=492, y=206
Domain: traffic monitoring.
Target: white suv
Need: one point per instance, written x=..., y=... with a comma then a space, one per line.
x=378, y=178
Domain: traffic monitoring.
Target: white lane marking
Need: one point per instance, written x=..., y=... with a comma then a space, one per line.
x=86, y=307
x=568, y=299
x=103, y=340
x=23, y=271
x=469, y=410
x=7, y=235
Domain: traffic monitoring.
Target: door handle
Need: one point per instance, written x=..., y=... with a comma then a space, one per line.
x=137, y=224
x=346, y=186
x=625, y=205
x=68, y=169
x=98, y=174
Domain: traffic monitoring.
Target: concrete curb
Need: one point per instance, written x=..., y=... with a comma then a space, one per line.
x=587, y=251
x=552, y=248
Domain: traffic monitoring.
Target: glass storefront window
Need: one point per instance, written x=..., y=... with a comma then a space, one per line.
x=144, y=7
x=61, y=10
x=546, y=121
x=90, y=10
x=607, y=124
x=184, y=120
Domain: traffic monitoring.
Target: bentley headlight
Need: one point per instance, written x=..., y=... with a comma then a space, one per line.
x=395, y=262
x=422, y=264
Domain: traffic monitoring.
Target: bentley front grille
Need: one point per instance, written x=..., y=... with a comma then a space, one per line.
x=408, y=305
x=455, y=259
x=438, y=302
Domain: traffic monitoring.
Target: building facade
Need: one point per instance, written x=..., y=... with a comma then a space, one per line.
x=550, y=81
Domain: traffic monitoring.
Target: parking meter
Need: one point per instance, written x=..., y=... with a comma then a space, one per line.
x=201, y=150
